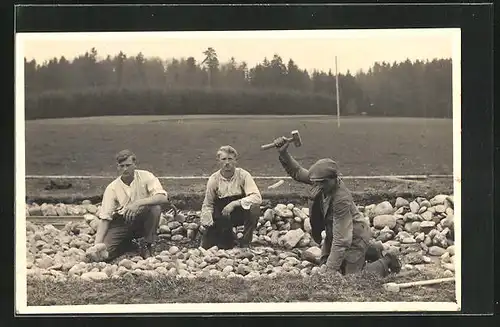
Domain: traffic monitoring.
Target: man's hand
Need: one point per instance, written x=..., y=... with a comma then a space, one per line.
x=282, y=143
x=229, y=208
x=206, y=219
x=131, y=211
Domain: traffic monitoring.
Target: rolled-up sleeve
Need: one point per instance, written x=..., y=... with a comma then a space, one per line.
x=154, y=186
x=294, y=169
x=252, y=192
x=108, y=205
x=207, y=207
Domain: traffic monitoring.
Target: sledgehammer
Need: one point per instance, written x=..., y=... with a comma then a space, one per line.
x=297, y=141
x=393, y=287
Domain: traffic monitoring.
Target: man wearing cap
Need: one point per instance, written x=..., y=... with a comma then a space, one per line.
x=131, y=208
x=333, y=210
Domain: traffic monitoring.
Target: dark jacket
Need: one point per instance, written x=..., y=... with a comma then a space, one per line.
x=342, y=205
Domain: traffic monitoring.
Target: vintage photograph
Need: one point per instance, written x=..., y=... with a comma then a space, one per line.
x=238, y=171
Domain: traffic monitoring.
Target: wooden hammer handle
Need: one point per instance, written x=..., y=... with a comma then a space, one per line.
x=268, y=146
x=272, y=145
x=427, y=282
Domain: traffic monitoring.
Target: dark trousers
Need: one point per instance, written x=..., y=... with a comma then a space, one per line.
x=353, y=241
x=120, y=233
x=221, y=232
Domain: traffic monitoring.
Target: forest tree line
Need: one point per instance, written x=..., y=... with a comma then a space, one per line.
x=122, y=85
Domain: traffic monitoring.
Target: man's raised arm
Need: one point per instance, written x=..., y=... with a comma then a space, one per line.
x=291, y=166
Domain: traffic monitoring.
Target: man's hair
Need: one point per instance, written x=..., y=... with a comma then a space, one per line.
x=227, y=149
x=124, y=155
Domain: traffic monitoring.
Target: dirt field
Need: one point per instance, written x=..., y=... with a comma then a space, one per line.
x=181, y=146
x=188, y=194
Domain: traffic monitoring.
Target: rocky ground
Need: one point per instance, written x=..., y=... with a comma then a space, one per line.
x=421, y=231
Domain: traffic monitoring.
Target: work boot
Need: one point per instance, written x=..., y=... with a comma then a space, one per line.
x=146, y=249
x=131, y=246
x=394, y=264
x=245, y=252
x=254, y=250
x=373, y=252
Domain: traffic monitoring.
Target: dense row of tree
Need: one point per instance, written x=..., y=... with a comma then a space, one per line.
x=419, y=89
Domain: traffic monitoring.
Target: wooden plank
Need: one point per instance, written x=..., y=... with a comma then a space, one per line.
x=427, y=282
x=399, y=180
x=54, y=220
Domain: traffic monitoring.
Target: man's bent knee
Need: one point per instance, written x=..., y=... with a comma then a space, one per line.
x=254, y=212
x=155, y=210
x=341, y=243
x=255, y=209
x=150, y=212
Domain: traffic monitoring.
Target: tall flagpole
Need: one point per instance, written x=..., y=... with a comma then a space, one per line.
x=337, y=88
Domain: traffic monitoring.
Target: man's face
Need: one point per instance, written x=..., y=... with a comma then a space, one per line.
x=126, y=168
x=227, y=162
x=326, y=185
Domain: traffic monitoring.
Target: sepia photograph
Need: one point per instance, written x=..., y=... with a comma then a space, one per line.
x=238, y=171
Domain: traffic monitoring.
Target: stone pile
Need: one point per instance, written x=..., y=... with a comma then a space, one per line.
x=417, y=229
x=61, y=209
x=421, y=230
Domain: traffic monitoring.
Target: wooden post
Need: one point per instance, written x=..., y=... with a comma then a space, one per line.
x=337, y=89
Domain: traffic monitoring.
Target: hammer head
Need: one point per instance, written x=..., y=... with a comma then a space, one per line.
x=297, y=141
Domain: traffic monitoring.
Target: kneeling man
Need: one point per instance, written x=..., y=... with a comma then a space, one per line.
x=131, y=208
x=231, y=199
x=332, y=209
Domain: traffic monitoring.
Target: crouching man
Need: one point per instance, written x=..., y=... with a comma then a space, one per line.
x=131, y=209
x=333, y=210
x=231, y=199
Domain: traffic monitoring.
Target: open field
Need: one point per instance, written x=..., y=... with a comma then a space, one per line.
x=183, y=145
x=186, y=145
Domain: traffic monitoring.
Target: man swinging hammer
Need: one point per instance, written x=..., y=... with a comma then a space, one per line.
x=332, y=209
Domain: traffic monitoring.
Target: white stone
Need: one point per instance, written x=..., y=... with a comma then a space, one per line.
x=98, y=275
x=382, y=221
x=383, y=208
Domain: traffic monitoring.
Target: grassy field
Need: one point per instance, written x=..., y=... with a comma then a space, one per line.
x=169, y=145
x=327, y=288
x=186, y=145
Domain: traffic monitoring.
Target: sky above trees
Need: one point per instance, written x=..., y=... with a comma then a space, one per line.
x=309, y=49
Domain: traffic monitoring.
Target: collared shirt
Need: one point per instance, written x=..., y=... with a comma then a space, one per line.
x=118, y=194
x=220, y=187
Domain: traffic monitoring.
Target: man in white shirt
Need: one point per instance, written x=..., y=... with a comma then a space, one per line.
x=131, y=208
x=231, y=199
